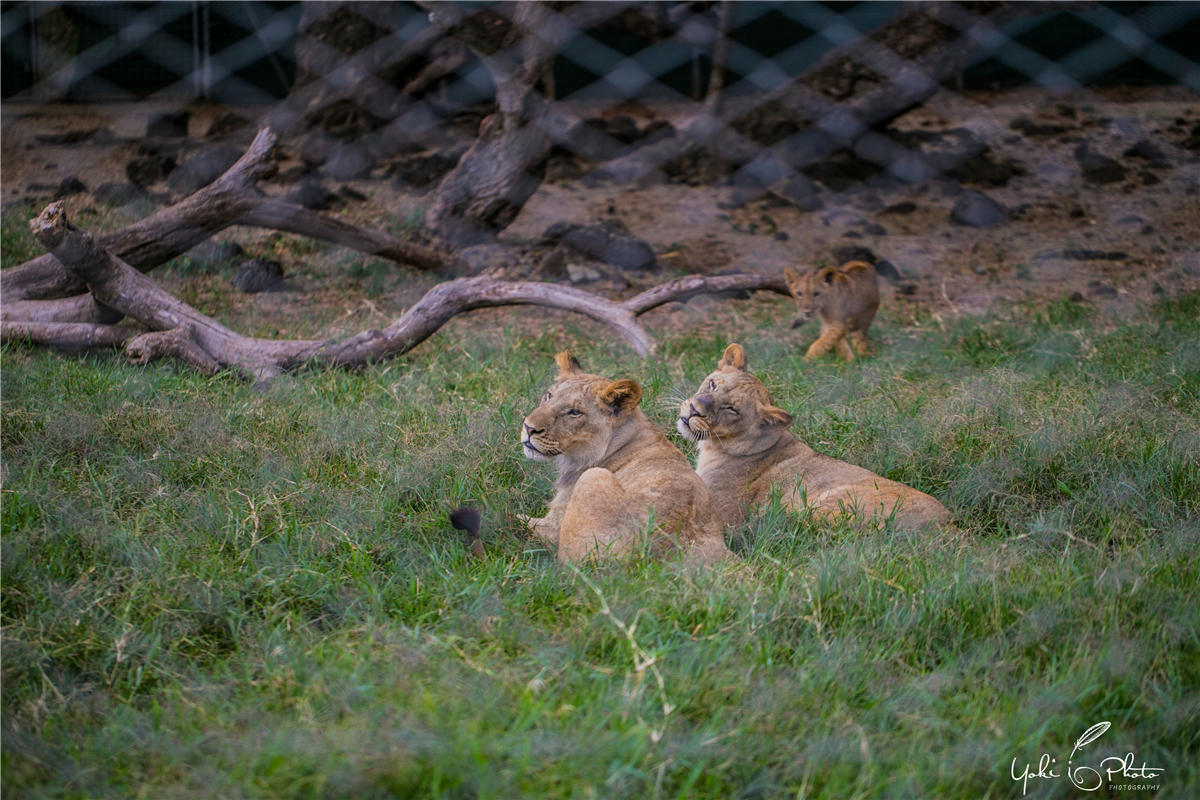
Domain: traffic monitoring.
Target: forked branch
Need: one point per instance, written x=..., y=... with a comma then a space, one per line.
x=177, y=329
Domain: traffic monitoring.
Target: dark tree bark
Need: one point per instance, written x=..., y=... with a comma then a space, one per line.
x=180, y=331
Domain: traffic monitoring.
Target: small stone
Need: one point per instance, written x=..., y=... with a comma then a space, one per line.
x=875, y=229
x=1076, y=297
x=583, y=273
x=69, y=186
x=1144, y=148
x=886, y=269
x=1076, y=212
x=852, y=235
x=781, y=236
x=1149, y=178
x=148, y=169
x=352, y=193
x=1105, y=291
x=978, y=211
x=310, y=193
x=259, y=275
x=1147, y=229
x=905, y=207
x=169, y=126
x=203, y=168
x=906, y=289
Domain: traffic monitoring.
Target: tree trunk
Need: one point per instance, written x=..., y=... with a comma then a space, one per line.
x=504, y=166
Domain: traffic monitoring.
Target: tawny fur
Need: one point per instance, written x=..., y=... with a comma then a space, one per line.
x=747, y=452
x=616, y=471
x=844, y=298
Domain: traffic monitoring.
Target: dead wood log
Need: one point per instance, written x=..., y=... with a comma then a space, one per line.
x=230, y=200
x=178, y=330
x=70, y=336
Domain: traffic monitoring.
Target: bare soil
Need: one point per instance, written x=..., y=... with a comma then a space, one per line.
x=1113, y=247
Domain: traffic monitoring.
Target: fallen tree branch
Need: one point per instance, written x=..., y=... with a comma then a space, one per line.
x=66, y=335
x=232, y=199
x=181, y=331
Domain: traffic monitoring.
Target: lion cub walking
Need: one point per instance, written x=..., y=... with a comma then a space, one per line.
x=615, y=470
x=844, y=298
x=746, y=450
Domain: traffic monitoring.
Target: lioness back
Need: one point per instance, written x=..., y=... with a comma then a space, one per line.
x=747, y=453
x=844, y=298
x=618, y=475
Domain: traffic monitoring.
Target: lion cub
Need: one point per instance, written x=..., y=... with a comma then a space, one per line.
x=746, y=450
x=844, y=298
x=616, y=471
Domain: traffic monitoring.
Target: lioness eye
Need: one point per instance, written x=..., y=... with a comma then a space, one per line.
x=729, y=408
x=574, y=412
x=712, y=384
x=547, y=397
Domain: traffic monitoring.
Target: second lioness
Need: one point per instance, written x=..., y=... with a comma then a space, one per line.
x=746, y=451
x=616, y=472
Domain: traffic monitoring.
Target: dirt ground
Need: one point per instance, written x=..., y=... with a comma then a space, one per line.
x=1113, y=246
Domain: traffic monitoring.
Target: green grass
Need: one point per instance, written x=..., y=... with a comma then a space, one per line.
x=213, y=591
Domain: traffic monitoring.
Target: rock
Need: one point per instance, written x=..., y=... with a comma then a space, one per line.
x=1076, y=297
x=69, y=186
x=852, y=235
x=846, y=253
x=311, y=193
x=169, y=126
x=598, y=140
x=203, y=168
x=978, y=211
x=562, y=168
x=1149, y=178
x=259, y=275
x=1098, y=168
x=349, y=161
x=886, y=269
x=607, y=242
x=352, y=193
x=315, y=148
x=905, y=207
x=1105, y=291
x=1147, y=230
x=1028, y=127
x=118, y=194
x=148, y=169
x=906, y=289
x=68, y=138
x=781, y=236
x=1093, y=255
x=1144, y=148
x=226, y=124
x=801, y=192
x=875, y=229
x=583, y=273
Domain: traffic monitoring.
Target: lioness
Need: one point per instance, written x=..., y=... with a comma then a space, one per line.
x=844, y=298
x=616, y=471
x=746, y=449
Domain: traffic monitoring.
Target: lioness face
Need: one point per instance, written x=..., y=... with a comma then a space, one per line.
x=730, y=403
x=577, y=415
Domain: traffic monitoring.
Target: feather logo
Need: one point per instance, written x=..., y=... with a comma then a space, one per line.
x=1090, y=735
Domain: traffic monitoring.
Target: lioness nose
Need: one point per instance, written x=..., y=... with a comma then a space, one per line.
x=530, y=430
x=703, y=401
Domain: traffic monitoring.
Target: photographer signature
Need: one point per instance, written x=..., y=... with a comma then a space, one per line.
x=1086, y=778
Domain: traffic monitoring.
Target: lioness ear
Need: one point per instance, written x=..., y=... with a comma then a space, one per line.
x=830, y=274
x=567, y=364
x=622, y=395
x=773, y=415
x=733, y=360
x=791, y=275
